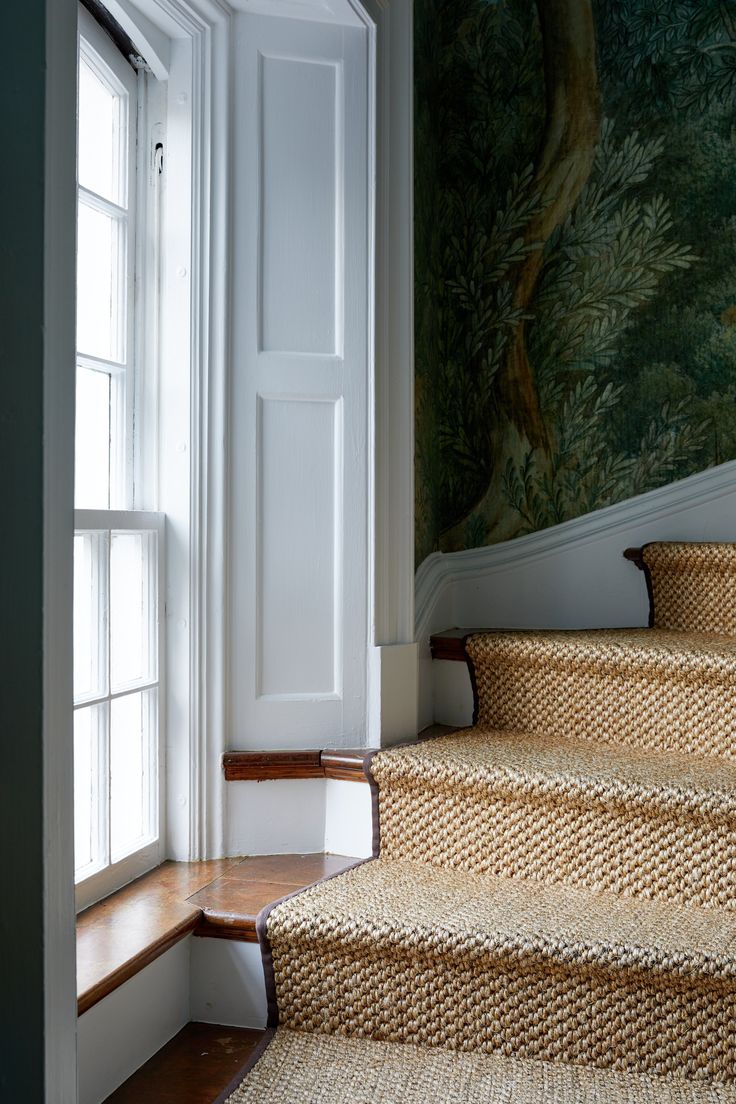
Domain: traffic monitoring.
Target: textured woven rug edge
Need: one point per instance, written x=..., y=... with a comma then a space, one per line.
x=269, y=973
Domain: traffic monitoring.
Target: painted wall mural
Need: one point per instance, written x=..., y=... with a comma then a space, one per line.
x=575, y=222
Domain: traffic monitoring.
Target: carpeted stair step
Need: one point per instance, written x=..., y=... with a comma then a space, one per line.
x=650, y=688
x=615, y=819
x=329, y=1069
x=409, y=953
x=692, y=587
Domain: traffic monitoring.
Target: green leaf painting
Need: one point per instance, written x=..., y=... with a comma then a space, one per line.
x=575, y=254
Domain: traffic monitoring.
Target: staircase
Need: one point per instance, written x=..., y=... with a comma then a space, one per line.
x=551, y=915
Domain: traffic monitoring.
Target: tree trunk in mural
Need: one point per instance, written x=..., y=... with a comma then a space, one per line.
x=566, y=158
x=563, y=166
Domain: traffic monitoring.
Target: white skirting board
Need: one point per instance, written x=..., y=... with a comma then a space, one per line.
x=569, y=576
x=124, y=1030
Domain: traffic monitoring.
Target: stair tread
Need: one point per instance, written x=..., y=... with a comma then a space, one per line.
x=527, y=762
x=339, y=1070
x=414, y=905
x=625, y=648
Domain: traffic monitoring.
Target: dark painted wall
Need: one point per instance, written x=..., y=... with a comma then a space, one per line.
x=21, y=550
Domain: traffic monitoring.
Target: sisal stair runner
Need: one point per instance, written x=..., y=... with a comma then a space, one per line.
x=551, y=914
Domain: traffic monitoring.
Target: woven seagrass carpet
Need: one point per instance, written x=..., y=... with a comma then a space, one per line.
x=550, y=916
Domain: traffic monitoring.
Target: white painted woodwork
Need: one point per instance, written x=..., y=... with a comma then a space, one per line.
x=299, y=816
x=323, y=11
x=298, y=582
x=279, y=817
x=227, y=985
x=392, y=698
x=392, y=407
x=298, y=549
x=300, y=214
x=348, y=818
x=568, y=576
x=56, y=779
x=451, y=700
x=122, y=1031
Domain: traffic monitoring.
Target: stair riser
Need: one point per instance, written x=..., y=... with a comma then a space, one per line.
x=621, y=849
x=643, y=709
x=637, y=1022
x=693, y=587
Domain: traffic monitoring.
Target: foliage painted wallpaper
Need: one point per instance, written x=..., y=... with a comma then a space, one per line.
x=575, y=222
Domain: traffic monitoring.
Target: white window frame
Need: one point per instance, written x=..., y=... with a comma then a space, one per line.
x=134, y=469
x=102, y=523
x=97, y=47
x=187, y=44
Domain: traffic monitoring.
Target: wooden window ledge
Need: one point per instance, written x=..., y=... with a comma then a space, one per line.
x=121, y=935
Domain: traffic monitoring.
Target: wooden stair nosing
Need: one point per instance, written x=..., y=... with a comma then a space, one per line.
x=342, y=764
x=450, y=644
x=346, y=764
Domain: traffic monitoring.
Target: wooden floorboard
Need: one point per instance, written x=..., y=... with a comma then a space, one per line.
x=193, y=1068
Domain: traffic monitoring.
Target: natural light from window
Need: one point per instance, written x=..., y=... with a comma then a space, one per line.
x=117, y=548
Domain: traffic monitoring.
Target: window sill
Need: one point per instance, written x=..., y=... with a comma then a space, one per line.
x=221, y=898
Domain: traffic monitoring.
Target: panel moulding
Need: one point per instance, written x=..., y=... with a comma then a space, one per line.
x=301, y=244
x=299, y=555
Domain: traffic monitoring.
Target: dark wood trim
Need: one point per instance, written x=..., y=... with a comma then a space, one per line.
x=134, y=965
x=241, y=928
x=636, y=555
x=261, y=766
x=347, y=764
x=449, y=645
x=120, y=37
x=344, y=764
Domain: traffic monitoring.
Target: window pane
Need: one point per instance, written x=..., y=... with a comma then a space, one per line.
x=131, y=773
x=132, y=609
x=102, y=129
x=89, y=628
x=100, y=262
x=92, y=452
x=87, y=773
